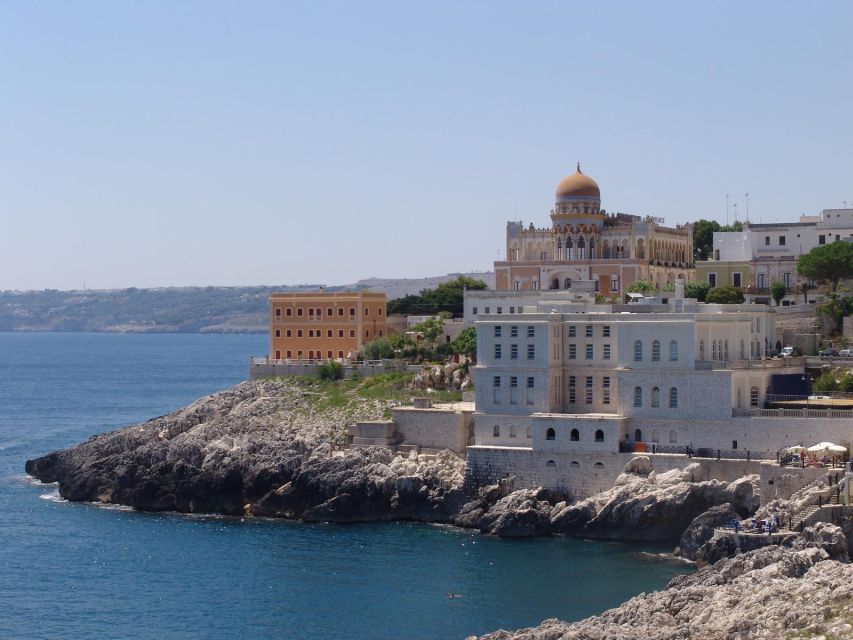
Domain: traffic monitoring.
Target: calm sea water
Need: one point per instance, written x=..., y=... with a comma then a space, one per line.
x=80, y=571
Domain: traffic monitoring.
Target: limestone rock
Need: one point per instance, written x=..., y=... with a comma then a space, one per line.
x=826, y=536
x=701, y=529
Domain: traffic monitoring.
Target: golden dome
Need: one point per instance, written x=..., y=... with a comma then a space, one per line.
x=578, y=185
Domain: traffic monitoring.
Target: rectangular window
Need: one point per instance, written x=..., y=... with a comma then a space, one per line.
x=513, y=382
x=488, y=310
x=736, y=279
x=588, y=355
x=329, y=333
x=352, y=312
x=310, y=333
x=289, y=313
x=288, y=334
x=786, y=278
x=513, y=331
x=367, y=311
x=821, y=239
x=605, y=331
x=589, y=382
x=329, y=311
x=278, y=333
x=781, y=241
x=497, y=352
x=766, y=241
x=474, y=311
x=512, y=310
x=530, y=382
x=496, y=382
x=498, y=331
x=299, y=312
x=572, y=331
x=513, y=352
x=614, y=284
x=605, y=390
x=500, y=310
x=277, y=312
x=340, y=333
x=352, y=333
x=588, y=332
x=340, y=311
x=531, y=331
x=531, y=352
x=311, y=311
x=712, y=279
x=605, y=352
x=588, y=394
x=573, y=351
x=299, y=333
x=572, y=391
x=761, y=281
x=289, y=354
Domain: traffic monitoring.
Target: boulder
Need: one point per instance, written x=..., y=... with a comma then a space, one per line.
x=701, y=529
x=826, y=536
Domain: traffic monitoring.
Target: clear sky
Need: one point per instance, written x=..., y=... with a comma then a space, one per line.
x=206, y=143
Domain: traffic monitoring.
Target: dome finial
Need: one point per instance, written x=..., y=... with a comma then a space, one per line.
x=579, y=167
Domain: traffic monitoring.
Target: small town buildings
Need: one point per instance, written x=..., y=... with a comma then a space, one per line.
x=761, y=254
x=324, y=325
x=584, y=242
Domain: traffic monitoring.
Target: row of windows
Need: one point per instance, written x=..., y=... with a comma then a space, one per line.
x=638, y=351
x=588, y=394
x=513, y=382
x=311, y=355
x=513, y=331
x=317, y=312
x=319, y=334
x=673, y=397
x=574, y=435
x=588, y=331
x=588, y=352
x=513, y=352
x=488, y=310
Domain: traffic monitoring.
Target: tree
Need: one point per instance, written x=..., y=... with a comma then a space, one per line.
x=724, y=295
x=703, y=236
x=828, y=262
x=447, y=297
x=379, y=349
x=642, y=286
x=431, y=328
x=698, y=290
x=466, y=343
x=331, y=370
x=777, y=290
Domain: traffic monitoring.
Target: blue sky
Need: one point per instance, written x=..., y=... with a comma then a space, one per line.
x=205, y=143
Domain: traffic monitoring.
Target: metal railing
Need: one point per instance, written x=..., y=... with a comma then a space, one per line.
x=792, y=413
x=767, y=363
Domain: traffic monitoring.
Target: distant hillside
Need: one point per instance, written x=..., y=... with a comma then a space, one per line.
x=172, y=309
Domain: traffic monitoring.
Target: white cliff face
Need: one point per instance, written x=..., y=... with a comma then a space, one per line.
x=770, y=593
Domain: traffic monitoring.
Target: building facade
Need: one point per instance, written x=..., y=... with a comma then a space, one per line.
x=324, y=325
x=761, y=254
x=584, y=242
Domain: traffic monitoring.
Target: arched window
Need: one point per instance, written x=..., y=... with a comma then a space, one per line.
x=592, y=248
x=551, y=464
x=599, y=464
x=567, y=284
x=638, y=435
x=638, y=396
x=673, y=438
x=753, y=397
x=581, y=248
x=496, y=431
x=638, y=350
x=673, y=350
x=550, y=434
x=673, y=398
x=655, y=351
x=570, y=252
x=575, y=435
x=555, y=283
x=575, y=464
x=655, y=435
x=655, y=397
x=599, y=435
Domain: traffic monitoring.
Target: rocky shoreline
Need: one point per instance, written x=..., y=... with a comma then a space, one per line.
x=275, y=448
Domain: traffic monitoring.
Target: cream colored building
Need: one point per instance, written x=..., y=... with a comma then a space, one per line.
x=584, y=242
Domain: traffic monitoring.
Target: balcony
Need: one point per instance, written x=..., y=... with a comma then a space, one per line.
x=768, y=363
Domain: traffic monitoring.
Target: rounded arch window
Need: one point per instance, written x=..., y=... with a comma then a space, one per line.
x=655, y=397
x=638, y=396
x=753, y=397
x=673, y=398
x=638, y=350
x=656, y=351
x=638, y=435
x=599, y=464
x=496, y=431
x=673, y=437
x=599, y=435
x=551, y=464
x=655, y=436
x=575, y=435
x=575, y=464
x=673, y=350
x=550, y=434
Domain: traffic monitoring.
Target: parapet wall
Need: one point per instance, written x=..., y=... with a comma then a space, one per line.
x=267, y=370
x=434, y=428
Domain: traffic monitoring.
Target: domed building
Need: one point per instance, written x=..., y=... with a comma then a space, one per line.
x=585, y=242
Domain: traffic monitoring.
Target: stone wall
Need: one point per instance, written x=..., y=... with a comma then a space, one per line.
x=434, y=428
x=295, y=368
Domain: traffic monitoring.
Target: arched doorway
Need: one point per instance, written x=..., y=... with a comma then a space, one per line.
x=638, y=435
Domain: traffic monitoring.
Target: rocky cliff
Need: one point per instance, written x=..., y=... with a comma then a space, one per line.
x=264, y=448
x=770, y=593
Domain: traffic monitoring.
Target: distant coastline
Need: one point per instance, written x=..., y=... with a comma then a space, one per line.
x=172, y=309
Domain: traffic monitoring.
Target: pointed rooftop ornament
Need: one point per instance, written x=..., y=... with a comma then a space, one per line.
x=579, y=167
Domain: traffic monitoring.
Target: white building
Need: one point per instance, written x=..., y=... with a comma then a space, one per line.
x=564, y=387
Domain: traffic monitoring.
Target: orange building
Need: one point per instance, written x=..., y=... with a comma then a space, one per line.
x=321, y=325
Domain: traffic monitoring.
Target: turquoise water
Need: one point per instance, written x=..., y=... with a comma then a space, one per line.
x=80, y=571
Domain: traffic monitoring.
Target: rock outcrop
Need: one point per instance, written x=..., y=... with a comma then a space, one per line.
x=770, y=593
x=645, y=506
x=438, y=377
x=701, y=529
x=259, y=448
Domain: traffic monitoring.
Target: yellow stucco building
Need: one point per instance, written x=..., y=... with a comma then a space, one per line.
x=324, y=325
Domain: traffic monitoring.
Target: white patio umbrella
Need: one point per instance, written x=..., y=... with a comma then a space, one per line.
x=794, y=448
x=826, y=446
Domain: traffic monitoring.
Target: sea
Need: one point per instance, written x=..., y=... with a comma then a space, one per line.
x=72, y=570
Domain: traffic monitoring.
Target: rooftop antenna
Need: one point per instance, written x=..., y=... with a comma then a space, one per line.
x=747, y=207
x=735, y=206
x=727, y=209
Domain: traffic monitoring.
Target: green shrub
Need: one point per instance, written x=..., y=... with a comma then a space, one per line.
x=331, y=371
